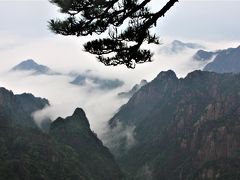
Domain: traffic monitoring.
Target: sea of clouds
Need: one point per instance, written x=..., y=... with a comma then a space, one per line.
x=65, y=55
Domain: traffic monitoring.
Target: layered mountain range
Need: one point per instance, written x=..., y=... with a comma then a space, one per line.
x=177, y=46
x=79, y=79
x=222, y=61
x=98, y=82
x=180, y=128
x=170, y=129
x=70, y=150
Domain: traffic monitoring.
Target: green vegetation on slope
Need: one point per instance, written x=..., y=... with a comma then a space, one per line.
x=183, y=128
x=71, y=151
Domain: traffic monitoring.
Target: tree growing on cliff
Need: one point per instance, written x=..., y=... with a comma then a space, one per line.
x=127, y=22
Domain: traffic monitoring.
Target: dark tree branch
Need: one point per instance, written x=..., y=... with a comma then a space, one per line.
x=96, y=16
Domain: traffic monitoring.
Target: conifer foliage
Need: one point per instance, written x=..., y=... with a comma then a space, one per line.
x=127, y=22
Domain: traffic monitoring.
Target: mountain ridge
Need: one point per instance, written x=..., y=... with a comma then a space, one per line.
x=180, y=127
x=226, y=61
x=220, y=61
x=177, y=46
x=26, y=152
x=20, y=105
x=132, y=91
x=100, y=83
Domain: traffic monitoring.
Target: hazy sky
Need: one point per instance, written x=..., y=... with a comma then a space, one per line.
x=24, y=22
x=24, y=33
x=197, y=19
x=203, y=19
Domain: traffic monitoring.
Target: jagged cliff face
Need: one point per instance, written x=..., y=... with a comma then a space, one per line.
x=70, y=150
x=18, y=109
x=183, y=128
x=75, y=132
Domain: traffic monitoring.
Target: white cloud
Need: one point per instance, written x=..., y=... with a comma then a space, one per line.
x=65, y=54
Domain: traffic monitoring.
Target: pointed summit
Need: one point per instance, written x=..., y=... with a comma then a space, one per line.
x=31, y=65
x=74, y=131
x=35, y=68
x=79, y=112
x=77, y=120
x=29, y=61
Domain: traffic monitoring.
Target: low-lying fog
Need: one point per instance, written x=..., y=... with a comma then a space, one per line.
x=64, y=97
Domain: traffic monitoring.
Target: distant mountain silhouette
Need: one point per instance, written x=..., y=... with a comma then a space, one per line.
x=178, y=46
x=135, y=88
x=101, y=83
x=220, y=61
x=31, y=65
x=226, y=61
x=203, y=55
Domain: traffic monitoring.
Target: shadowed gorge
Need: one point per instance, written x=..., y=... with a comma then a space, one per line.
x=183, y=128
x=70, y=150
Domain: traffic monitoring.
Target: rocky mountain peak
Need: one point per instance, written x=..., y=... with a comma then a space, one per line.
x=80, y=115
x=29, y=61
x=4, y=91
x=195, y=74
x=78, y=119
x=194, y=120
x=26, y=65
x=69, y=150
x=31, y=65
x=75, y=132
x=143, y=82
x=166, y=75
x=18, y=108
x=79, y=112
